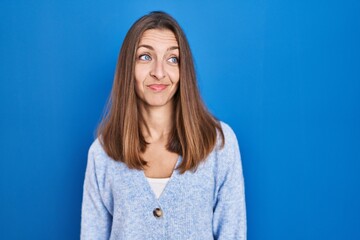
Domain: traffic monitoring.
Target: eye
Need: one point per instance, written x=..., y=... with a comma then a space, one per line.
x=173, y=60
x=145, y=57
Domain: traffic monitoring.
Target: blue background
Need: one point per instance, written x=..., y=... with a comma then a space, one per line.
x=284, y=74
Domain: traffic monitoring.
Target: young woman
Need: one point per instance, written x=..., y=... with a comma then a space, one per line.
x=162, y=166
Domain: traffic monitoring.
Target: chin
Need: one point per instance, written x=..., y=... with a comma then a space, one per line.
x=157, y=102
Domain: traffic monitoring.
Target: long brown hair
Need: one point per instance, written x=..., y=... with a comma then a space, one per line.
x=195, y=130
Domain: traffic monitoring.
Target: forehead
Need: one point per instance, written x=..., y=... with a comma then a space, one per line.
x=158, y=36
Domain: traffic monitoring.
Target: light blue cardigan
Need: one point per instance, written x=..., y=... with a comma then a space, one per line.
x=118, y=202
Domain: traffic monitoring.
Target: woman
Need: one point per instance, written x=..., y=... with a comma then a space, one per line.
x=162, y=167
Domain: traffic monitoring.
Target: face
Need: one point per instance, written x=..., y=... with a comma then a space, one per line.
x=157, y=68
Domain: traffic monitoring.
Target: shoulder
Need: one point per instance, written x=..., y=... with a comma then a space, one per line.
x=98, y=156
x=96, y=147
x=96, y=151
x=102, y=161
x=102, y=167
x=229, y=154
x=229, y=137
x=229, y=133
x=227, y=159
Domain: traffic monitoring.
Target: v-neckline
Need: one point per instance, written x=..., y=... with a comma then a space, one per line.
x=172, y=179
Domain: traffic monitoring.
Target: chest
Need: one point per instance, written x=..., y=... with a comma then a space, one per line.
x=160, y=161
x=186, y=203
x=191, y=188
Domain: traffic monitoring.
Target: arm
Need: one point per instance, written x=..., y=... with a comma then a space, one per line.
x=229, y=220
x=95, y=218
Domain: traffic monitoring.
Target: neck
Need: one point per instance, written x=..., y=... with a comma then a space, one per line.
x=157, y=122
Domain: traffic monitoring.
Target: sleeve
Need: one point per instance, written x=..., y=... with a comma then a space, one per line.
x=95, y=218
x=229, y=220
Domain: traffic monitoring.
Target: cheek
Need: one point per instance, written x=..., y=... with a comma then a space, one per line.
x=140, y=76
x=138, y=88
x=174, y=76
x=138, y=83
x=139, y=73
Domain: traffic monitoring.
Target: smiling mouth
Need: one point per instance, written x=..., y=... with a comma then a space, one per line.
x=157, y=87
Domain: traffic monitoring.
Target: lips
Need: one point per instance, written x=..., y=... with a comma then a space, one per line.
x=157, y=87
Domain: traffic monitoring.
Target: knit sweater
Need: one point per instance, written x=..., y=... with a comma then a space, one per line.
x=118, y=202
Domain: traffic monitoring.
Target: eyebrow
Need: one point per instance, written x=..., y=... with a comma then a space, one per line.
x=151, y=48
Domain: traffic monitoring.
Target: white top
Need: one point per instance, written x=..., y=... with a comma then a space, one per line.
x=157, y=185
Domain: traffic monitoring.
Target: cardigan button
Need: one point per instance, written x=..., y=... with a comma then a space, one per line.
x=158, y=212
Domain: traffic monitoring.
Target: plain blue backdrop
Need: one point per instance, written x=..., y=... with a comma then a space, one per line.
x=284, y=74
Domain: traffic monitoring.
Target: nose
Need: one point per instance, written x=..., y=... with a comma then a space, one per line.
x=157, y=70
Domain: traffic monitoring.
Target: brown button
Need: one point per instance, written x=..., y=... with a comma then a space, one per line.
x=157, y=212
